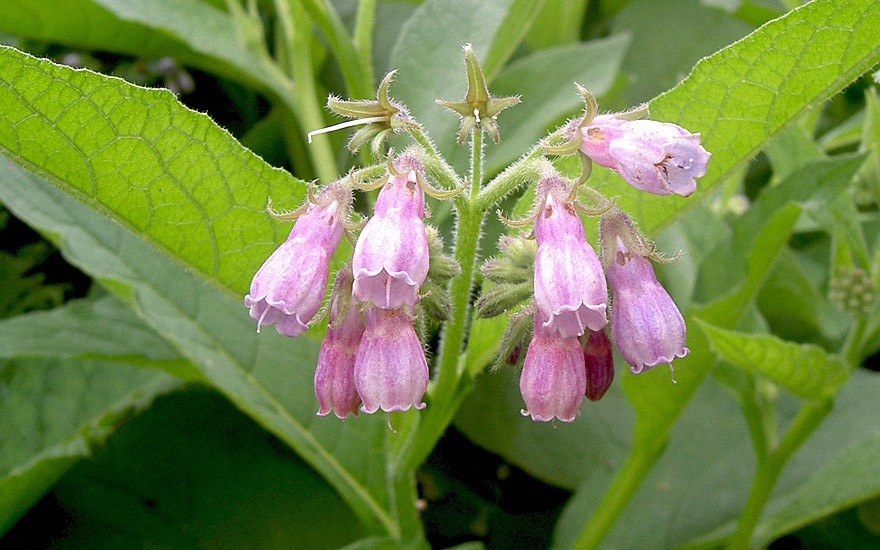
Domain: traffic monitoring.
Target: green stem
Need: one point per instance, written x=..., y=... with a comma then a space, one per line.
x=295, y=28
x=524, y=171
x=363, y=35
x=804, y=424
x=616, y=497
x=443, y=393
x=357, y=77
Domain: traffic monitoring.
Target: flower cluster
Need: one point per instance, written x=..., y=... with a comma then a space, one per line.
x=570, y=355
x=371, y=357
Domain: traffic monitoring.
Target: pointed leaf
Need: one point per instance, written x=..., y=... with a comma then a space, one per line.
x=803, y=369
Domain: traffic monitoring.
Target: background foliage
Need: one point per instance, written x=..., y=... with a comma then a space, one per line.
x=140, y=408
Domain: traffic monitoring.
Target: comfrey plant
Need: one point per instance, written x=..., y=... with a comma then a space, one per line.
x=551, y=282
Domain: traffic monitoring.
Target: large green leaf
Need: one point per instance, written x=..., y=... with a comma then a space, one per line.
x=54, y=412
x=743, y=95
x=805, y=370
x=140, y=156
x=103, y=329
x=194, y=472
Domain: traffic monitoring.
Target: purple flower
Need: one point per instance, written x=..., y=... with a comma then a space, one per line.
x=391, y=255
x=570, y=289
x=390, y=370
x=599, y=362
x=288, y=289
x=656, y=157
x=334, y=377
x=553, y=380
x=645, y=323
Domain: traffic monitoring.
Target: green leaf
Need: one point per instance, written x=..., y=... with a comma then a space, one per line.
x=694, y=494
x=54, y=412
x=561, y=454
x=545, y=80
x=559, y=22
x=812, y=187
x=669, y=37
x=103, y=329
x=803, y=369
x=743, y=95
x=192, y=471
x=191, y=31
x=267, y=376
x=516, y=25
x=141, y=157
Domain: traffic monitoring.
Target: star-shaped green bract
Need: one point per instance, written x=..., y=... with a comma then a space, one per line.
x=478, y=108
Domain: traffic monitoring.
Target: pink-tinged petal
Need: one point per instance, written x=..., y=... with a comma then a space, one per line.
x=288, y=289
x=390, y=371
x=655, y=157
x=646, y=324
x=334, y=376
x=570, y=289
x=390, y=260
x=553, y=381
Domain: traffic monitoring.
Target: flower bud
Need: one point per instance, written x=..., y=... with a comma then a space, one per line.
x=656, y=157
x=288, y=289
x=553, y=381
x=599, y=362
x=334, y=377
x=390, y=370
x=391, y=257
x=570, y=289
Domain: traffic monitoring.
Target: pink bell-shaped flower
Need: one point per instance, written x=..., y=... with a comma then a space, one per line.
x=288, y=289
x=553, y=381
x=646, y=324
x=390, y=370
x=570, y=289
x=656, y=157
x=390, y=259
x=334, y=377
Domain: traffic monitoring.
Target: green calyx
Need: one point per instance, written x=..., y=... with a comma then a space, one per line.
x=381, y=117
x=478, y=109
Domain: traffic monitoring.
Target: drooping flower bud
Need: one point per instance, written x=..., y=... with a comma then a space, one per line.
x=570, y=289
x=391, y=256
x=288, y=289
x=646, y=324
x=390, y=370
x=334, y=377
x=553, y=381
x=599, y=362
x=656, y=157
